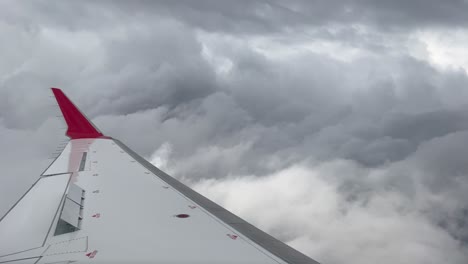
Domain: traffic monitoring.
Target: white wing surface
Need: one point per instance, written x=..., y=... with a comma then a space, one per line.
x=100, y=202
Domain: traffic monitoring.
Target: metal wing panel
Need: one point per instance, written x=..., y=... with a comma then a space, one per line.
x=262, y=239
x=130, y=215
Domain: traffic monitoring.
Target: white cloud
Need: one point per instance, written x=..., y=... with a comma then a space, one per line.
x=160, y=157
x=303, y=206
x=445, y=48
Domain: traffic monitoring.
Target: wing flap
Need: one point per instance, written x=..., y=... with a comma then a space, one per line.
x=29, y=222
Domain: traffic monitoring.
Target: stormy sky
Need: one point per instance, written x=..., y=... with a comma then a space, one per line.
x=339, y=127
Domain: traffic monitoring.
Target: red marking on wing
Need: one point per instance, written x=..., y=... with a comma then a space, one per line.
x=182, y=216
x=92, y=254
x=233, y=237
x=78, y=125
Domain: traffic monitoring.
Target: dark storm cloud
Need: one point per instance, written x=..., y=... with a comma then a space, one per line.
x=263, y=15
x=375, y=140
x=254, y=16
x=275, y=15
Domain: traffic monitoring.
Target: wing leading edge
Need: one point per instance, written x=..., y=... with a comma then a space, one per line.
x=105, y=203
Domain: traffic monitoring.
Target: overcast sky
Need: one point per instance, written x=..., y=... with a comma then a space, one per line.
x=340, y=127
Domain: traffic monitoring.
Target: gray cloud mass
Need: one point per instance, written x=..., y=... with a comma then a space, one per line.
x=328, y=124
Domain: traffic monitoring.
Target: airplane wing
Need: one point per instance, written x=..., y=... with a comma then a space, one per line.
x=100, y=202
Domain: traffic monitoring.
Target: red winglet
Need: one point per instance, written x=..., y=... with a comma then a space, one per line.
x=78, y=125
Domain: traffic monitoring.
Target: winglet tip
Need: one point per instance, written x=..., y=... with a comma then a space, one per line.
x=78, y=124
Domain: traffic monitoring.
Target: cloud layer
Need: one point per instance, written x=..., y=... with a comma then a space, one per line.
x=340, y=129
